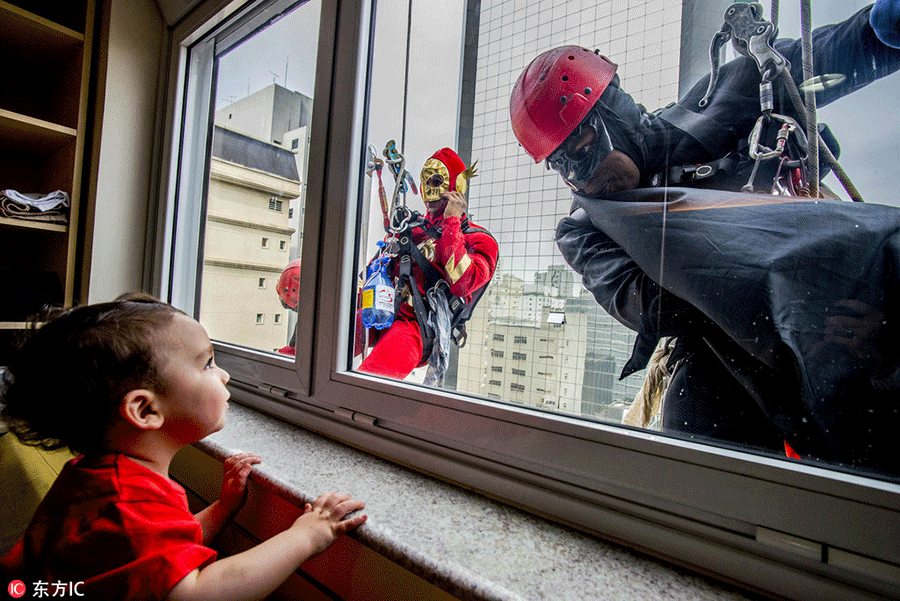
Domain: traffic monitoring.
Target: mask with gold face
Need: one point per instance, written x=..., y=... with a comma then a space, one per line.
x=435, y=179
x=444, y=172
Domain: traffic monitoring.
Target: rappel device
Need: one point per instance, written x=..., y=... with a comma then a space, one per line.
x=752, y=36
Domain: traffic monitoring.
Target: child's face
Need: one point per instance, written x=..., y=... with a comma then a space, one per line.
x=195, y=399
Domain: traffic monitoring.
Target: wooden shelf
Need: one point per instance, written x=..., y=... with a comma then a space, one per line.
x=33, y=225
x=21, y=133
x=47, y=48
x=24, y=29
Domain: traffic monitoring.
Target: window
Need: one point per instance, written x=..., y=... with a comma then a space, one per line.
x=520, y=340
x=497, y=368
x=260, y=319
x=277, y=318
x=494, y=382
x=232, y=197
x=457, y=96
x=518, y=372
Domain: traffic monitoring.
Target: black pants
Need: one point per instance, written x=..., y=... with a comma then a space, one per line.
x=705, y=402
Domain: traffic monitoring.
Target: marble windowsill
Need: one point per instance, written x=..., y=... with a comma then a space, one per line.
x=468, y=545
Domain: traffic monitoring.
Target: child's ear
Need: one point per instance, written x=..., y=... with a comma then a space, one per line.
x=141, y=408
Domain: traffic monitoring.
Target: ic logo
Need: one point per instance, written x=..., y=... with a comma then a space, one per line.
x=16, y=589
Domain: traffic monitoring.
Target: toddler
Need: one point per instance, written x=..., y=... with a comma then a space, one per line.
x=125, y=385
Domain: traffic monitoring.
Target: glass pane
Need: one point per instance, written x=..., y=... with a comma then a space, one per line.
x=257, y=179
x=762, y=294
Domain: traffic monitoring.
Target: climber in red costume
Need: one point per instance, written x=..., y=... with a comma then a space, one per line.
x=463, y=254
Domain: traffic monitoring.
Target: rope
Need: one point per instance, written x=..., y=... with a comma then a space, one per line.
x=812, y=130
x=803, y=111
x=839, y=172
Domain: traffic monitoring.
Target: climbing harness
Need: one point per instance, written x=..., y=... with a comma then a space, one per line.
x=408, y=253
x=399, y=249
x=797, y=171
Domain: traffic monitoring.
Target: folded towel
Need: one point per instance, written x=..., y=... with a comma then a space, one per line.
x=41, y=202
x=20, y=210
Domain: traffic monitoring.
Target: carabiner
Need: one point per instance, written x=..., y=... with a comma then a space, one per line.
x=789, y=126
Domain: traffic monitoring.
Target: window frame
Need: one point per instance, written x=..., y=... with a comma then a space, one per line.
x=723, y=512
x=209, y=30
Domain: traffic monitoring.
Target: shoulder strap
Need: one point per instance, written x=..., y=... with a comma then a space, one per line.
x=706, y=130
x=459, y=322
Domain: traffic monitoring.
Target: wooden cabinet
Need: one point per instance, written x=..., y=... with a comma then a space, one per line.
x=46, y=49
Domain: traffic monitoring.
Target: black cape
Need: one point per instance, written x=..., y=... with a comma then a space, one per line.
x=805, y=289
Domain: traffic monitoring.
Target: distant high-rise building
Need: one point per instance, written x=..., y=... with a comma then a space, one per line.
x=268, y=114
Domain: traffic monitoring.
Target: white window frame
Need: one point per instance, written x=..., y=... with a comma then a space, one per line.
x=782, y=527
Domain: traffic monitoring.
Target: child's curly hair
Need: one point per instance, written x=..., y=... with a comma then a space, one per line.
x=64, y=383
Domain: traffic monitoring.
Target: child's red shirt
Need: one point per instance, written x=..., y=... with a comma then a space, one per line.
x=123, y=530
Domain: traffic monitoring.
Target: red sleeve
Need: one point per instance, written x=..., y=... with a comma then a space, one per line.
x=160, y=544
x=468, y=259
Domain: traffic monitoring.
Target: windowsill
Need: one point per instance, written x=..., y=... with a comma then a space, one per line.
x=459, y=541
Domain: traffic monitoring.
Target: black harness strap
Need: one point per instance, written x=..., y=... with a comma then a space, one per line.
x=705, y=130
x=405, y=257
x=460, y=311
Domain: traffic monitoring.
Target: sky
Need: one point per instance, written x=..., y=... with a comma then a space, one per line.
x=284, y=54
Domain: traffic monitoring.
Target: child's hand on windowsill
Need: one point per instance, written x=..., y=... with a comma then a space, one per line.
x=234, y=481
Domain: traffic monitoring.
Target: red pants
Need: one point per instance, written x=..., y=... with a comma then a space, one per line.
x=397, y=352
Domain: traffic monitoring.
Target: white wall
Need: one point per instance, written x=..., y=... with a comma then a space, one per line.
x=124, y=183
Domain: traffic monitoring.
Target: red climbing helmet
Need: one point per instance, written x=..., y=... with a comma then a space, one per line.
x=553, y=94
x=288, y=287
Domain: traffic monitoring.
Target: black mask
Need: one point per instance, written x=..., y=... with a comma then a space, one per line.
x=578, y=157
